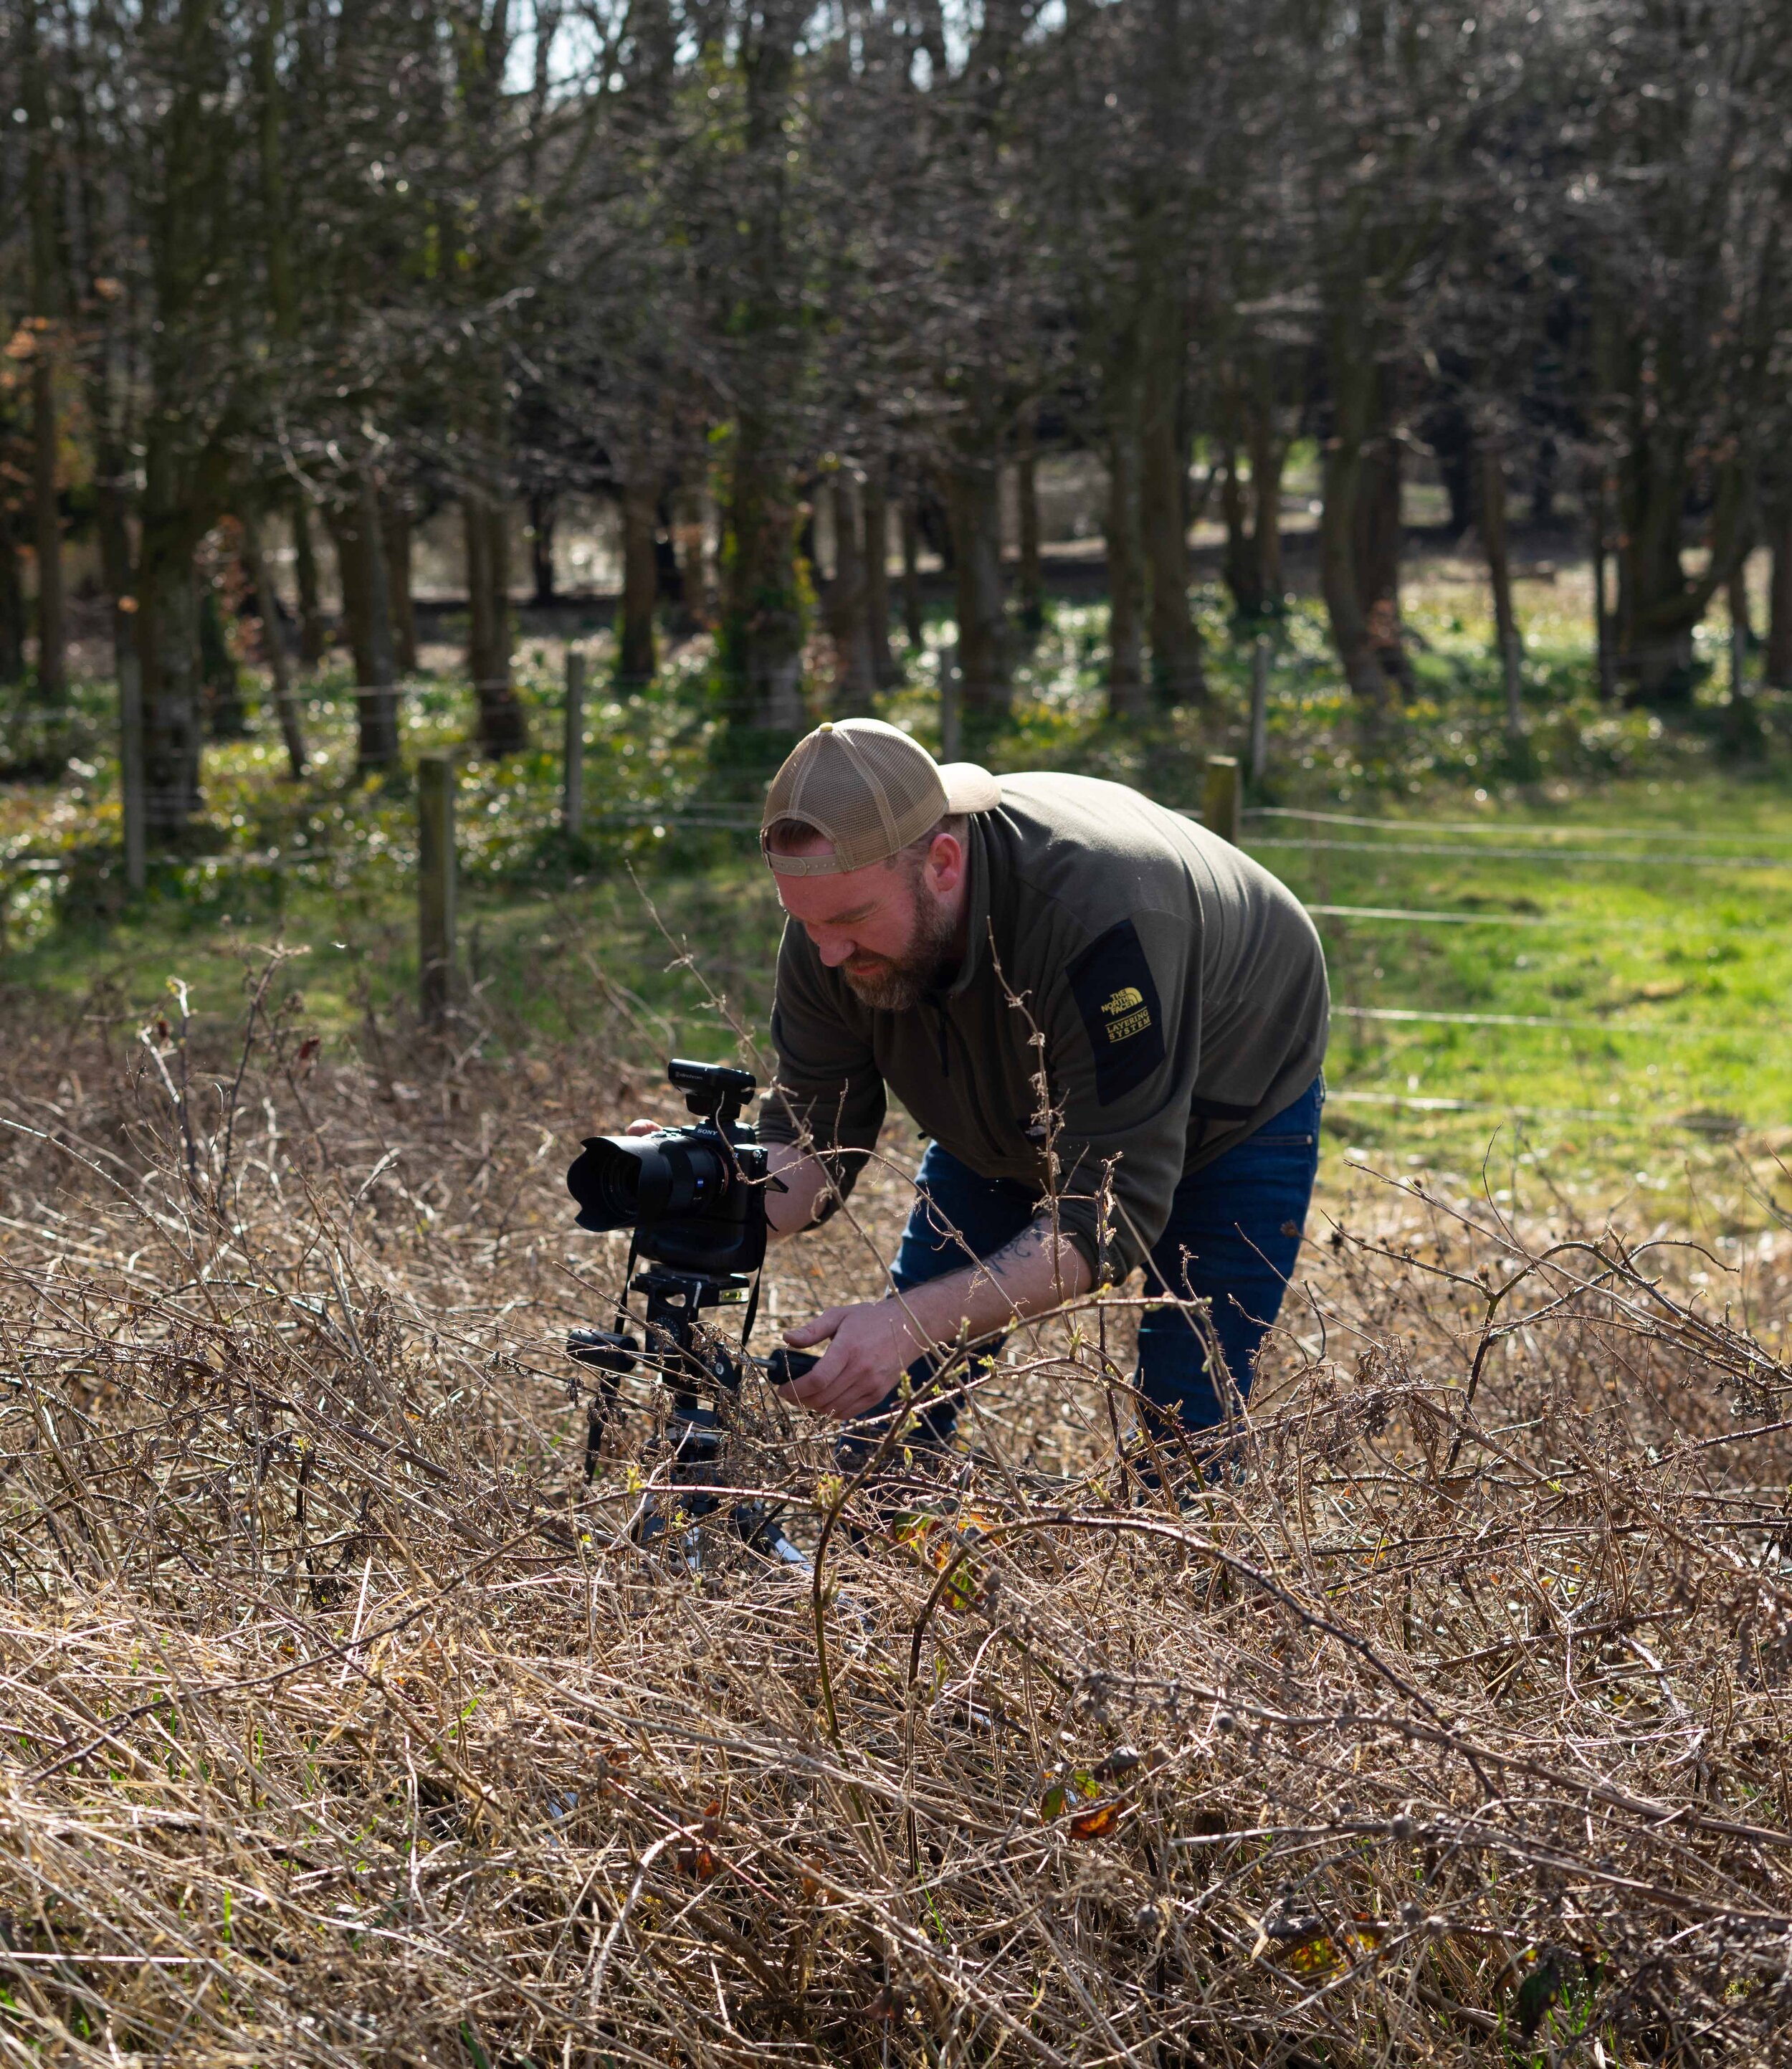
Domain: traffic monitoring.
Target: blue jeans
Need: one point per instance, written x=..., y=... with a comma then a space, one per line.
x=1231, y=1241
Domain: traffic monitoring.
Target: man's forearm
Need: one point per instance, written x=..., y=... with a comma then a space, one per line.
x=1040, y=1269
x=804, y=1184
x=869, y=1344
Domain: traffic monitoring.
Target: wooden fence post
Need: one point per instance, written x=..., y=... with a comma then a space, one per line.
x=435, y=886
x=1260, y=711
x=572, y=807
x=1220, y=801
x=130, y=768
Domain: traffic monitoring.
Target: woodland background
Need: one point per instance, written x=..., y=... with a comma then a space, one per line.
x=285, y=281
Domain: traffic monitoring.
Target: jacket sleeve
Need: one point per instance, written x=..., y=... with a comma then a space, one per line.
x=828, y=1091
x=1122, y=1023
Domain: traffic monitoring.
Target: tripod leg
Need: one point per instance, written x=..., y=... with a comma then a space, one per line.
x=597, y=1420
x=758, y=1527
x=610, y=1354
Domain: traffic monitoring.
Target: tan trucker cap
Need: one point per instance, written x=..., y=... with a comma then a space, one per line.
x=870, y=790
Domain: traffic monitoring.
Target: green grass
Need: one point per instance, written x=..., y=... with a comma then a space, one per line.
x=1667, y=981
x=1678, y=971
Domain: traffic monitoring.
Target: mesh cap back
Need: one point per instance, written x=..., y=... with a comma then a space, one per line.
x=869, y=789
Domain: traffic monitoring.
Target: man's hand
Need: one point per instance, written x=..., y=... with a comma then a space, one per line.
x=868, y=1347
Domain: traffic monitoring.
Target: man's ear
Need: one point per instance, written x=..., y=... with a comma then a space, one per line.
x=945, y=862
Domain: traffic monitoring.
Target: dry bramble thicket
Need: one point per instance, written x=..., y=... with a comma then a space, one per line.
x=344, y=1723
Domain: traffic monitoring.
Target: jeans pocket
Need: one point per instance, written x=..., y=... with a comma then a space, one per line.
x=1282, y=1141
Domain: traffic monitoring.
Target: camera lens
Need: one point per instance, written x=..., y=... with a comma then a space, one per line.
x=623, y=1181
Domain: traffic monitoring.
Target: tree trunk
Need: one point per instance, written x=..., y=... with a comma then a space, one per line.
x=976, y=520
x=273, y=641
x=1177, y=674
x=1242, y=568
x=115, y=548
x=41, y=209
x=914, y=621
x=1660, y=605
x=1498, y=568
x=12, y=608
x=1736, y=594
x=1164, y=234
x=377, y=699
x=167, y=624
x=314, y=634
x=690, y=541
x=1029, y=583
x=1778, y=668
x=351, y=580
x=1449, y=430
x=1742, y=735
x=52, y=629
x=1378, y=553
x=375, y=692
x=476, y=546
x=502, y=728
x=1543, y=482
x=1352, y=380
x=1269, y=456
x=1599, y=508
x=668, y=575
x=875, y=499
x=503, y=723
x=637, y=656
x=367, y=611
x=762, y=627
x=540, y=549
x=395, y=535
x=1654, y=637
x=1126, y=696
x=168, y=648
x=221, y=680
x=854, y=674
x=186, y=459
x=933, y=520
x=808, y=553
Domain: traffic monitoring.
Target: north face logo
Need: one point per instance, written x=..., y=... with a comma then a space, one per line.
x=1125, y=999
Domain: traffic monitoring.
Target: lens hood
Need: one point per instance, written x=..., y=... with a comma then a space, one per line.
x=626, y=1181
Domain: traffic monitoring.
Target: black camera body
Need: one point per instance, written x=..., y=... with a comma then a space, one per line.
x=695, y=1196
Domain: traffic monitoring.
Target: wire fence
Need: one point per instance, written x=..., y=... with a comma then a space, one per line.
x=1717, y=1124
x=1667, y=1030
x=1400, y=916
x=1656, y=859
x=1397, y=840
x=329, y=868
x=1506, y=831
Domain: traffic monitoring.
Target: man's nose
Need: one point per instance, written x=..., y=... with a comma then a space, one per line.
x=833, y=947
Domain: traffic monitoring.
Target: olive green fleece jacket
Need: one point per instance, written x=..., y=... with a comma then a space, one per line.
x=1180, y=988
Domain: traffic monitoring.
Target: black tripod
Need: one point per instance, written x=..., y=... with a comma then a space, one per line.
x=692, y=1364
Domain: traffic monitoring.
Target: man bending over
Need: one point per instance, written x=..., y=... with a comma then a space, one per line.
x=1043, y=968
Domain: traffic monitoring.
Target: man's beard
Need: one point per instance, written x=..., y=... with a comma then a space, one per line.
x=900, y=983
